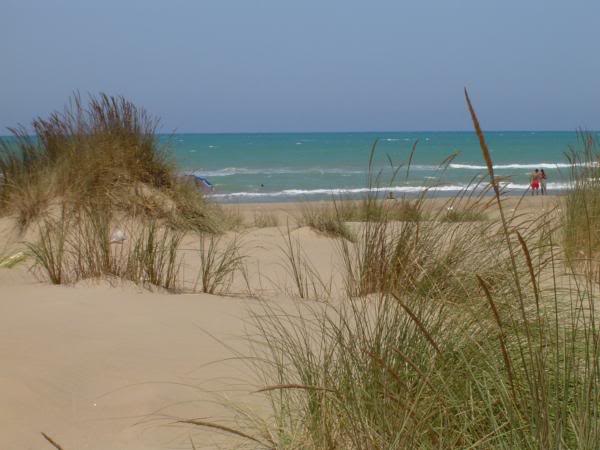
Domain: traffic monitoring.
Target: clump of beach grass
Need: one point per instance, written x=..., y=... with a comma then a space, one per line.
x=581, y=204
x=219, y=261
x=264, y=219
x=231, y=219
x=307, y=282
x=403, y=371
x=105, y=150
x=513, y=365
x=374, y=208
x=405, y=245
x=79, y=245
x=325, y=219
x=435, y=257
x=463, y=215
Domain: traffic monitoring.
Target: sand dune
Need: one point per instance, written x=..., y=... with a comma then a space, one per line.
x=101, y=366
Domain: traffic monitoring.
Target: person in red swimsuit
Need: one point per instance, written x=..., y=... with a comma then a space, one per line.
x=535, y=182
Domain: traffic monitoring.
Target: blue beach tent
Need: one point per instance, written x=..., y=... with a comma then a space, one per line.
x=201, y=183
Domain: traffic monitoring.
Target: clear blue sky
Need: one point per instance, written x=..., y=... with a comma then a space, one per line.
x=308, y=65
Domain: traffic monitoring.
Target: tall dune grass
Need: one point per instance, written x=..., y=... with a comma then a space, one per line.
x=462, y=336
x=308, y=284
x=103, y=150
x=219, y=261
x=581, y=206
x=404, y=245
x=77, y=245
x=326, y=219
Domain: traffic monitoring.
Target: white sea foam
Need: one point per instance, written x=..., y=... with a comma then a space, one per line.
x=541, y=165
x=354, y=191
x=230, y=171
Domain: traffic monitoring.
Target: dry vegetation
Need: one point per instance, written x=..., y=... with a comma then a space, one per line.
x=98, y=169
x=582, y=205
x=454, y=333
x=78, y=245
x=218, y=264
x=265, y=220
x=105, y=152
x=308, y=284
x=455, y=329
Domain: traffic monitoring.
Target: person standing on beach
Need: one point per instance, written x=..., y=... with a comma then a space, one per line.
x=535, y=182
x=543, y=182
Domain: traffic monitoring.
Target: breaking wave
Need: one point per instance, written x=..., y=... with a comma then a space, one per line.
x=292, y=193
x=512, y=166
x=232, y=171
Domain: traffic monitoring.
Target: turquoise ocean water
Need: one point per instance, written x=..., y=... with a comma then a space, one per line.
x=313, y=166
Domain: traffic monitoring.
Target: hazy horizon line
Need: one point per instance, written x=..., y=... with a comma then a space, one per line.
x=176, y=132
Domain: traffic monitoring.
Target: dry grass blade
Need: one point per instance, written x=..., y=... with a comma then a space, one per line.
x=308, y=283
x=216, y=426
x=410, y=157
x=49, y=439
x=418, y=322
x=505, y=226
x=530, y=268
x=416, y=368
x=381, y=363
x=219, y=261
x=484, y=148
x=293, y=386
x=501, y=335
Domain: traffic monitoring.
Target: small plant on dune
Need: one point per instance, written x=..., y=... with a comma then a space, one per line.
x=463, y=215
x=308, y=284
x=265, y=220
x=153, y=258
x=77, y=246
x=231, y=218
x=49, y=251
x=374, y=208
x=326, y=220
x=219, y=261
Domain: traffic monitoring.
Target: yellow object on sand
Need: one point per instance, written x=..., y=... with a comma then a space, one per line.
x=11, y=261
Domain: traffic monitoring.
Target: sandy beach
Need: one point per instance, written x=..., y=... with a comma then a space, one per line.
x=101, y=365
x=299, y=225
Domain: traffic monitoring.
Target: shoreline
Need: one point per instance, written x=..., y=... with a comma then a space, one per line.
x=409, y=196
x=283, y=210
x=90, y=363
x=318, y=194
